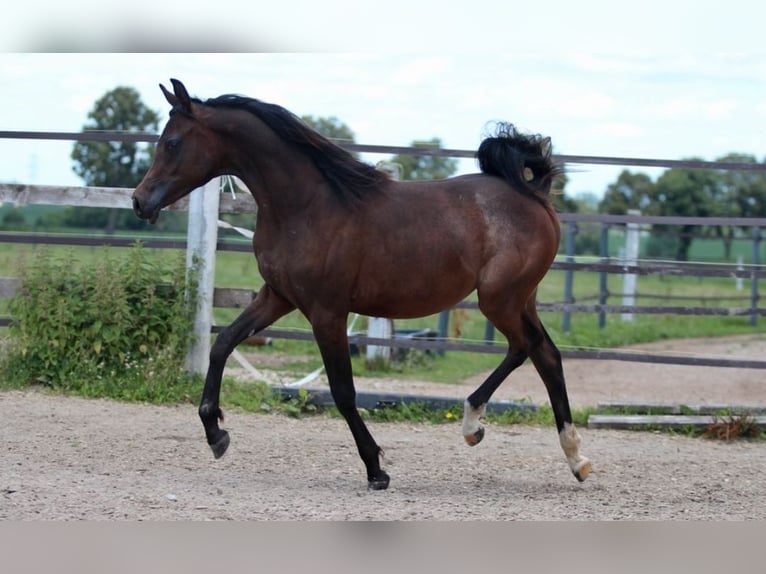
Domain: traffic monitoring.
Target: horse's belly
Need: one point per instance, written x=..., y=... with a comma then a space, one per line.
x=411, y=298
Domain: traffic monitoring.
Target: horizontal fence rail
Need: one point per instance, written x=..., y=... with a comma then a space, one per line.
x=682, y=269
x=240, y=298
x=145, y=137
x=120, y=197
x=20, y=194
x=116, y=197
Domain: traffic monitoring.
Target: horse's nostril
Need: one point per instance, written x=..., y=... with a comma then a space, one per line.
x=136, y=205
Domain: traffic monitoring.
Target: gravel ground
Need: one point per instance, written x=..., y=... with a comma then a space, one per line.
x=76, y=459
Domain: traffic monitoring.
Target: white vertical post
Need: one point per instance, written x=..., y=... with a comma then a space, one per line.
x=202, y=237
x=740, y=266
x=379, y=328
x=631, y=258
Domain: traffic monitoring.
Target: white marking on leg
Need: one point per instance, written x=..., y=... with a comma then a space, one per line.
x=570, y=443
x=471, y=416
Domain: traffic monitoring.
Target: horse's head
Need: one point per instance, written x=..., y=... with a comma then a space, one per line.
x=184, y=158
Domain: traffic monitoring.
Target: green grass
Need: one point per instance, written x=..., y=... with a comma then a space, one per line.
x=238, y=269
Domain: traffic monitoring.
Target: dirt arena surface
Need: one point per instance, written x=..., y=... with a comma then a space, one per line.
x=75, y=459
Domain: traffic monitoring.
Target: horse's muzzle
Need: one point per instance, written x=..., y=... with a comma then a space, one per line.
x=142, y=212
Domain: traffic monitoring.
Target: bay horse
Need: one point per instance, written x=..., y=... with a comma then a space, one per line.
x=334, y=236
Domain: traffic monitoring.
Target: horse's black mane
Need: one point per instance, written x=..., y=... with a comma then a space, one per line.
x=350, y=178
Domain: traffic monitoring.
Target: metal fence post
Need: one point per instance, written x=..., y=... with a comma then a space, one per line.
x=754, y=275
x=603, y=289
x=443, y=329
x=489, y=333
x=571, y=231
x=632, y=236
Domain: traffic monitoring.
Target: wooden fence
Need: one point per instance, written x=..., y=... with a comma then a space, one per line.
x=752, y=271
x=239, y=298
x=242, y=203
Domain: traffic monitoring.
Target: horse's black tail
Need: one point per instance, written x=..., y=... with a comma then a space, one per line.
x=524, y=161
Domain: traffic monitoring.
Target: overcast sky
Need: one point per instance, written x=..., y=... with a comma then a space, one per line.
x=656, y=81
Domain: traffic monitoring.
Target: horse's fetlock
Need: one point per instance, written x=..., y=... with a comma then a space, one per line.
x=208, y=411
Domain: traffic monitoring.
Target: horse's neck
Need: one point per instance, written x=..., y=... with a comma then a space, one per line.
x=281, y=180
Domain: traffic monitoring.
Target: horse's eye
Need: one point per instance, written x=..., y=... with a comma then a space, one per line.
x=172, y=144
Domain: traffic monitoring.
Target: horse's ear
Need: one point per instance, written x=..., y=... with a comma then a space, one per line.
x=184, y=101
x=170, y=97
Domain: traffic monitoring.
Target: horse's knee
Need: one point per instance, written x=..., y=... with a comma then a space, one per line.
x=220, y=351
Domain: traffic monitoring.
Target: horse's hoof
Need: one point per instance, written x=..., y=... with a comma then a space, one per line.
x=379, y=483
x=475, y=438
x=582, y=470
x=219, y=447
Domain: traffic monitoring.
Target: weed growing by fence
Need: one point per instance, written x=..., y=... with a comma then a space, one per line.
x=118, y=327
x=733, y=427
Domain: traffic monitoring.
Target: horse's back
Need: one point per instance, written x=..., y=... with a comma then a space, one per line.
x=478, y=205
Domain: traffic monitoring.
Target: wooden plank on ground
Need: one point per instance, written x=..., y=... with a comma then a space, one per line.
x=637, y=422
x=374, y=400
x=667, y=408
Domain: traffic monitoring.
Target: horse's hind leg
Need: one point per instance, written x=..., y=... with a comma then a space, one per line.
x=505, y=313
x=526, y=338
x=266, y=308
x=476, y=404
x=331, y=337
x=547, y=360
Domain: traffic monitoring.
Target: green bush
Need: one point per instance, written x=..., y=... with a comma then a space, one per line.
x=119, y=327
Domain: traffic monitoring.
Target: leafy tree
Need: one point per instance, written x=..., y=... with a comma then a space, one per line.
x=686, y=193
x=746, y=190
x=113, y=164
x=586, y=202
x=741, y=194
x=116, y=163
x=331, y=127
x=420, y=167
x=733, y=198
x=587, y=235
x=630, y=191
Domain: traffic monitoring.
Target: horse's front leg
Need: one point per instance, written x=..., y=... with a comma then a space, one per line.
x=332, y=339
x=266, y=308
